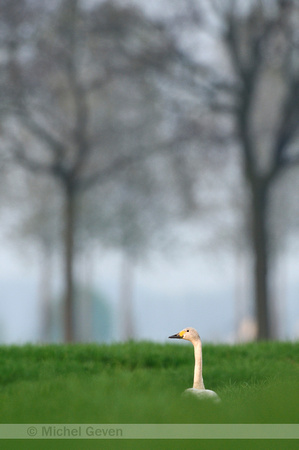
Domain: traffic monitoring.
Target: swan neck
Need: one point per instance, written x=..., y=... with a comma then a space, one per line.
x=198, y=380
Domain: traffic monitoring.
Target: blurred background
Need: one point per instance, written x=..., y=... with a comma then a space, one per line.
x=149, y=162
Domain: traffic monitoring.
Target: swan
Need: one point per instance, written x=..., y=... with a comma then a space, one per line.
x=198, y=389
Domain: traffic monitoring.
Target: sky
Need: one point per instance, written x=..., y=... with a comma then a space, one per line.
x=170, y=293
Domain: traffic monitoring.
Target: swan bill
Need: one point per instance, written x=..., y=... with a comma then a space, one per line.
x=175, y=336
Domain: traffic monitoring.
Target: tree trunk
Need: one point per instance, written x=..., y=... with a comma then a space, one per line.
x=126, y=299
x=260, y=244
x=69, y=224
x=46, y=267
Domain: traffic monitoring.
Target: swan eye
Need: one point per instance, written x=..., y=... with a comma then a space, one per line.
x=187, y=331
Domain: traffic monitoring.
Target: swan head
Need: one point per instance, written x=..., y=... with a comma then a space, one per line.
x=189, y=334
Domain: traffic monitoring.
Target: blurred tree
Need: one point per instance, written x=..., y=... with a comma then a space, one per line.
x=243, y=59
x=60, y=64
x=265, y=55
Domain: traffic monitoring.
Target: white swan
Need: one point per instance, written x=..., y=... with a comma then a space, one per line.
x=190, y=334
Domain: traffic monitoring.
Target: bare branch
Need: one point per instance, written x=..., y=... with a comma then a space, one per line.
x=28, y=162
x=103, y=174
x=291, y=161
x=195, y=13
x=287, y=130
x=41, y=133
x=222, y=108
x=175, y=144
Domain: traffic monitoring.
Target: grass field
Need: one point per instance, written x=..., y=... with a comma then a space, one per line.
x=143, y=382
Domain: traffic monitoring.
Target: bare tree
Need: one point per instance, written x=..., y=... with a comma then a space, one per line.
x=59, y=83
x=263, y=48
x=248, y=75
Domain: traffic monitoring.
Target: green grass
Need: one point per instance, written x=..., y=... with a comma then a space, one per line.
x=143, y=382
